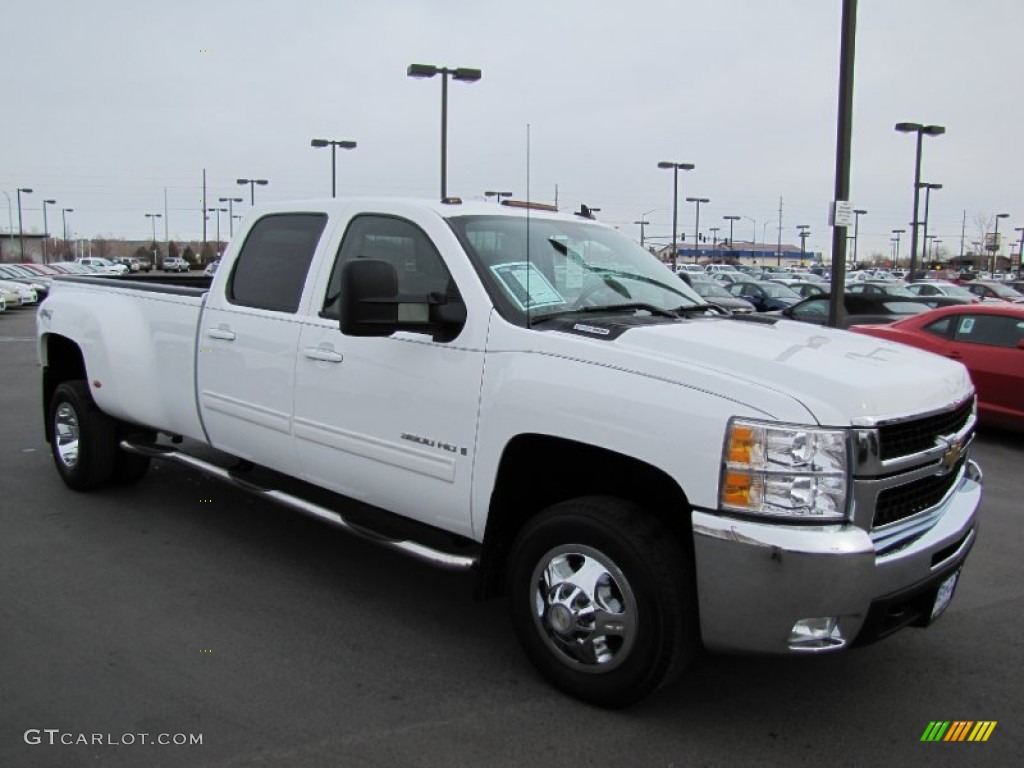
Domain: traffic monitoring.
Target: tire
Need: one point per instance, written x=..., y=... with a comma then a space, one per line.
x=602, y=563
x=83, y=439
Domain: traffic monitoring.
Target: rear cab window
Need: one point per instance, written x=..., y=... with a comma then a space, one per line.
x=271, y=268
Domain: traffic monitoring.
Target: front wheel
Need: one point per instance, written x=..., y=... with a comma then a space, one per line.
x=602, y=600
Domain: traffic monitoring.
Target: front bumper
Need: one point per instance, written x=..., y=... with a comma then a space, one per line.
x=755, y=580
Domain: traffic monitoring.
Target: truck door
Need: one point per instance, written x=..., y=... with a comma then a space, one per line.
x=247, y=340
x=391, y=421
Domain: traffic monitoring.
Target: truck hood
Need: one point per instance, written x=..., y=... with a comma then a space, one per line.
x=841, y=378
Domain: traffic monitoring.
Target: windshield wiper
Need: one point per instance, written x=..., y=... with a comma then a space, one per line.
x=609, y=308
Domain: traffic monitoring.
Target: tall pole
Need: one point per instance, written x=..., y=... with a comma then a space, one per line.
x=917, y=192
x=856, y=230
x=899, y=232
x=1020, y=254
x=643, y=223
x=64, y=217
x=696, y=226
x=21, y=232
x=444, y=134
x=963, y=235
x=924, y=235
x=803, y=240
x=995, y=245
x=46, y=227
x=231, y=212
x=204, y=210
x=676, y=167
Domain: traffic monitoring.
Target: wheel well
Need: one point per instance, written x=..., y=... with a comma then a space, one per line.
x=537, y=471
x=63, y=362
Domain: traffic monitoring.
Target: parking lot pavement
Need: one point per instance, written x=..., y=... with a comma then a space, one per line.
x=181, y=606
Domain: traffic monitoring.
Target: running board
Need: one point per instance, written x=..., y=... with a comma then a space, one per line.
x=420, y=552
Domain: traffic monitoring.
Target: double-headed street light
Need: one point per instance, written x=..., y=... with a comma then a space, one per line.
x=921, y=131
x=252, y=187
x=218, y=211
x=231, y=212
x=21, y=232
x=804, y=234
x=676, y=168
x=64, y=218
x=153, y=217
x=898, y=232
x=1020, y=254
x=732, y=220
x=696, y=225
x=995, y=244
x=857, y=213
x=334, y=145
x=463, y=74
x=46, y=227
x=927, y=187
x=497, y=195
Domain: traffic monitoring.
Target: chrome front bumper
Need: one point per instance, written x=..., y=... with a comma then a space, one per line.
x=755, y=580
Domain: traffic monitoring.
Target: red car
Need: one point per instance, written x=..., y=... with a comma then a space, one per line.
x=987, y=338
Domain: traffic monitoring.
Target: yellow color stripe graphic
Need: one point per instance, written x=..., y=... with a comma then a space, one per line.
x=982, y=730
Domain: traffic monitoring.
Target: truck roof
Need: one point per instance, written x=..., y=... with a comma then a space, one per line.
x=456, y=207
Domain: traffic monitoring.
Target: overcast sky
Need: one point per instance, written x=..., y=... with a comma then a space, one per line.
x=110, y=103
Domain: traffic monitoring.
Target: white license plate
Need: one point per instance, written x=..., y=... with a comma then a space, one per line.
x=944, y=595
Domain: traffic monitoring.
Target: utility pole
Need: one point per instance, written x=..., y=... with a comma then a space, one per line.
x=778, y=248
x=204, y=206
x=643, y=223
x=963, y=233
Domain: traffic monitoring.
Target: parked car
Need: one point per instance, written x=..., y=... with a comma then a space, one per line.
x=713, y=292
x=805, y=288
x=10, y=295
x=104, y=265
x=765, y=296
x=859, y=309
x=899, y=290
x=132, y=264
x=988, y=289
x=987, y=338
x=942, y=288
x=175, y=264
x=11, y=272
x=25, y=294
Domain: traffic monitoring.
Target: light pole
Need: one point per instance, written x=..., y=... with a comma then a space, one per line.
x=732, y=220
x=64, y=218
x=921, y=131
x=803, y=240
x=334, y=145
x=1020, y=254
x=463, y=74
x=252, y=187
x=935, y=247
x=696, y=225
x=995, y=243
x=218, y=211
x=153, y=217
x=857, y=213
x=676, y=168
x=497, y=195
x=927, y=187
x=21, y=233
x=714, y=241
x=46, y=227
x=896, y=262
x=231, y=212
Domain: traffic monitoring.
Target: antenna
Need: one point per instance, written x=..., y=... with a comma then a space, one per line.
x=528, y=200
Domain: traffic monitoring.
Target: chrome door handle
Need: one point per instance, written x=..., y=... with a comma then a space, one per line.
x=221, y=333
x=323, y=354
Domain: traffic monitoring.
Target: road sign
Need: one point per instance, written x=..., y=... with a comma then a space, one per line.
x=841, y=214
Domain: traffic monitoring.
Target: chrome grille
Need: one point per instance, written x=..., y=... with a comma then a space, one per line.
x=903, y=501
x=909, y=437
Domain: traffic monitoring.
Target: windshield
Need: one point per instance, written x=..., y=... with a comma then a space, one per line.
x=554, y=267
x=778, y=291
x=710, y=290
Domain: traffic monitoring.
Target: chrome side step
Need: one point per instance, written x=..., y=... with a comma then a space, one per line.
x=426, y=554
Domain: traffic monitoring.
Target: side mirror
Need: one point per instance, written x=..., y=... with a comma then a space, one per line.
x=372, y=306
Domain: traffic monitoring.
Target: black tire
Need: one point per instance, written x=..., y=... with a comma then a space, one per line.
x=646, y=580
x=83, y=439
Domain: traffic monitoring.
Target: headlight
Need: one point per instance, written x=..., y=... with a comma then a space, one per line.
x=792, y=472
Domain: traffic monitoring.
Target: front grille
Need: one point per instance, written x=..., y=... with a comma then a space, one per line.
x=905, y=501
x=909, y=437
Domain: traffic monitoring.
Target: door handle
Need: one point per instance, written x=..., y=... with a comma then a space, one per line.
x=221, y=333
x=323, y=354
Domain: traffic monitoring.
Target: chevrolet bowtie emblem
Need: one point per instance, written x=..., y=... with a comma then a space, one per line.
x=954, y=450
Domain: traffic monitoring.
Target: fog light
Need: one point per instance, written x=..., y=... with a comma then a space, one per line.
x=817, y=634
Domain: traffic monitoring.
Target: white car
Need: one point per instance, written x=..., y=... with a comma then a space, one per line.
x=175, y=264
x=26, y=294
x=105, y=265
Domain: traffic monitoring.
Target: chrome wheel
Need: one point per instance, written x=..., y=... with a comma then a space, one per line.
x=584, y=608
x=65, y=435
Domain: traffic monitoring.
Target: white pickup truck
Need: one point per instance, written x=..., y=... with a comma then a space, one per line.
x=532, y=396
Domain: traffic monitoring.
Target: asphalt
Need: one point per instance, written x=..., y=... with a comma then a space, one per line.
x=182, y=606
